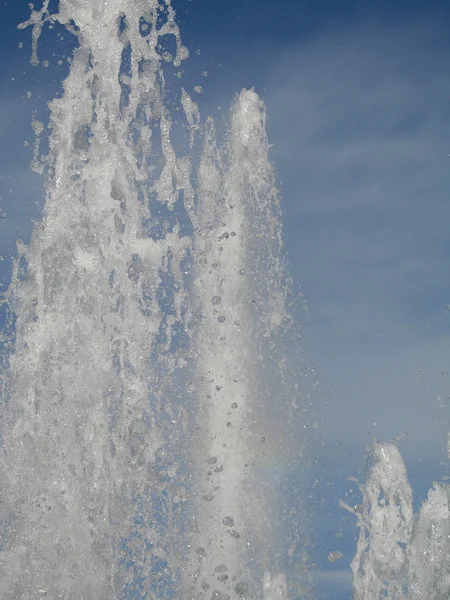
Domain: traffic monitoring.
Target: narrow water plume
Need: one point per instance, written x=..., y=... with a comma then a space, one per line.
x=240, y=304
x=400, y=556
x=148, y=314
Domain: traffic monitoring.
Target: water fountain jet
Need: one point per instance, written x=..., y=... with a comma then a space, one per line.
x=103, y=478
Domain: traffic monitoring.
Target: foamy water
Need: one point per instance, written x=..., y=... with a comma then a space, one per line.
x=139, y=414
x=146, y=304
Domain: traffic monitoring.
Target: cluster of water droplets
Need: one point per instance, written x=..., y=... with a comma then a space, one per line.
x=146, y=311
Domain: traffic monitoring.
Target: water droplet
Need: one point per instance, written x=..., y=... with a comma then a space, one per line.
x=216, y=299
x=38, y=126
x=334, y=556
x=228, y=521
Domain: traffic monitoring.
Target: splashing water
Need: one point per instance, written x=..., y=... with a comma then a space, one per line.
x=149, y=309
x=147, y=312
x=401, y=556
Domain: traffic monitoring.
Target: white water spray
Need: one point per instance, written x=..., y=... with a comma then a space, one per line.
x=401, y=556
x=240, y=300
x=106, y=490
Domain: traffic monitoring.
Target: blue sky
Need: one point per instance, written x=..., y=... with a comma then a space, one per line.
x=358, y=98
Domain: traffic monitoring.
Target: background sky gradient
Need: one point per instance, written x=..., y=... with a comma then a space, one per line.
x=358, y=98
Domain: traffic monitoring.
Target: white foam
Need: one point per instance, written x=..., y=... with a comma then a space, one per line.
x=92, y=457
x=400, y=556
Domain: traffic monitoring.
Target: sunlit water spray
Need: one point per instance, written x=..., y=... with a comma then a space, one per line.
x=139, y=410
x=147, y=312
x=400, y=556
x=240, y=300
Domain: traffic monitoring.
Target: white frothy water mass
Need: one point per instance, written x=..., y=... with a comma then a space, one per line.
x=400, y=556
x=147, y=312
x=140, y=405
